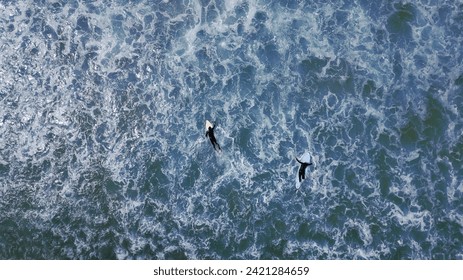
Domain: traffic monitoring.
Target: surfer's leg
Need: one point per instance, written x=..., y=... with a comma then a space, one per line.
x=212, y=142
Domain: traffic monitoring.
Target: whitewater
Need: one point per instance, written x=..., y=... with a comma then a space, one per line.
x=103, y=153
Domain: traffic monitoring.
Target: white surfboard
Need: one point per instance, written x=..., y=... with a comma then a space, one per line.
x=306, y=157
x=208, y=124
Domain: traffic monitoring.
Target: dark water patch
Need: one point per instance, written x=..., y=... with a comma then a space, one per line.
x=211, y=13
x=370, y=90
x=353, y=237
x=380, y=36
x=223, y=245
x=455, y=155
x=424, y=194
x=247, y=80
x=33, y=171
x=449, y=243
x=244, y=137
x=260, y=17
x=192, y=174
x=235, y=201
x=312, y=65
x=112, y=187
x=440, y=197
x=269, y=55
x=459, y=81
x=10, y=231
x=56, y=7
x=456, y=24
x=275, y=250
x=397, y=68
x=338, y=86
x=26, y=242
x=410, y=133
x=289, y=4
x=373, y=94
x=176, y=254
x=399, y=24
x=4, y=169
x=422, y=237
x=205, y=82
x=312, y=232
x=336, y=216
x=388, y=140
x=342, y=18
x=376, y=10
x=356, y=129
x=156, y=183
x=384, y=164
x=401, y=252
x=421, y=61
x=435, y=122
x=82, y=24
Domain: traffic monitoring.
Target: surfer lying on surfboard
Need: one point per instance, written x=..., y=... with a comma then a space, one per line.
x=210, y=133
x=302, y=169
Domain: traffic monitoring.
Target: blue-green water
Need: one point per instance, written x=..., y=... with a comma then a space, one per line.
x=102, y=146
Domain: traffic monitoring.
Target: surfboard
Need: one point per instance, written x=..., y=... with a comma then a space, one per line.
x=208, y=124
x=306, y=157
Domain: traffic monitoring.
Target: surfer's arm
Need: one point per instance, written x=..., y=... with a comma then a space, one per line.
x=207, y=133
x=299, y=161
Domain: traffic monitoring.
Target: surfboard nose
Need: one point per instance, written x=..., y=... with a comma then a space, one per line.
x=208, y=124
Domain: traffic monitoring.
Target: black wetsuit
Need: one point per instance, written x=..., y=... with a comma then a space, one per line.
x=302, y=169
x=210, y=133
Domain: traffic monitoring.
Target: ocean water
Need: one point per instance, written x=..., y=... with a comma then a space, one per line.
x=103, y=153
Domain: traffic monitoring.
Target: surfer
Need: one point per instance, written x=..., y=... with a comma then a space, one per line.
x=302, y=169
x=210, y=133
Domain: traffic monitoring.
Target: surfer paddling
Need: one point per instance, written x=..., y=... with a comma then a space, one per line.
x=210, y=133
x=302, y=169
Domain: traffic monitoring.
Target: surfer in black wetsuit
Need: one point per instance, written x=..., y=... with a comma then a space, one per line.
x=302, y=169
x=210, y=133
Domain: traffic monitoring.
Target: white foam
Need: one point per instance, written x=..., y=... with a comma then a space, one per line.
x=171, y=129
x=422, y=219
